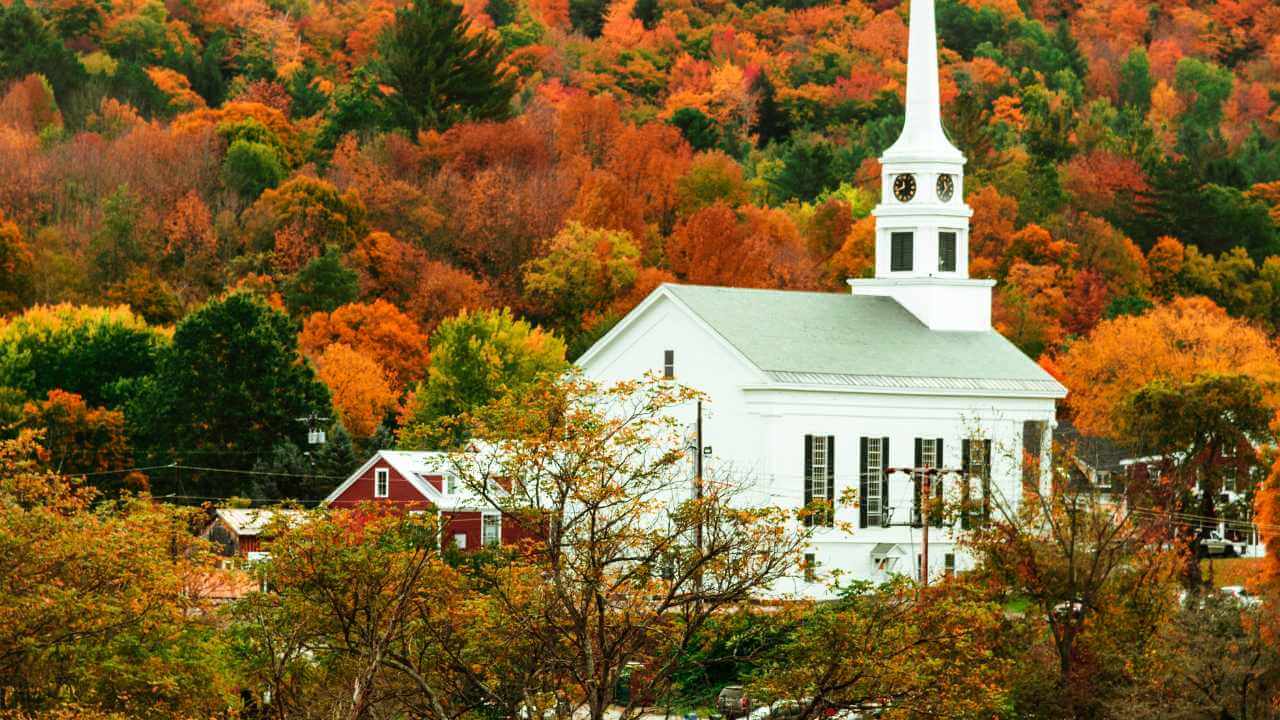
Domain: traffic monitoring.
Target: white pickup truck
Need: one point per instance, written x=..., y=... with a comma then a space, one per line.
x=1217, y=546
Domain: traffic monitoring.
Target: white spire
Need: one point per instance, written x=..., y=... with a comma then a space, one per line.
x=922, y=138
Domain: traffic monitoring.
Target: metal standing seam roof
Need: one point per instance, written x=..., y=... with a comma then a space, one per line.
x=842, y=339
x=252, y=521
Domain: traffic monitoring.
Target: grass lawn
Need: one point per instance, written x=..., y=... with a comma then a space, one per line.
x=1230, y=571
x=1017, y=606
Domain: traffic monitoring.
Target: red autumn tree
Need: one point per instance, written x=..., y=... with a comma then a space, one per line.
x=747, y=247
x=428, y=290
x=29, y=105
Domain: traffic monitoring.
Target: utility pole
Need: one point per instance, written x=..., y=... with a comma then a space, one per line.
x=698, y=479
x=926, y=475
x=697, y=494
x=924, y=528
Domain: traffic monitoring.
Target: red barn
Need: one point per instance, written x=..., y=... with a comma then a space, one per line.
x=428, y=482
x=242, y=532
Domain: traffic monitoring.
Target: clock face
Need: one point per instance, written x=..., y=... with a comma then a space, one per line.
x=946, y=187
x=904, y=187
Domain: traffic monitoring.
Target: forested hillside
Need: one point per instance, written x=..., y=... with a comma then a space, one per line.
x=323, y=208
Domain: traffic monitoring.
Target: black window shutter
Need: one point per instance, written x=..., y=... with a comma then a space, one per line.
x=947, y=251
x=901, y=251
x=808, y=478
x=986, y=480
x=915, y=482
x=862, y=483
x=884, y=481
x=965, y=478
x=937, y=482
x=831, y=481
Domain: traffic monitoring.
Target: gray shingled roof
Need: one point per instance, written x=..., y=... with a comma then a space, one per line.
x=843, y=339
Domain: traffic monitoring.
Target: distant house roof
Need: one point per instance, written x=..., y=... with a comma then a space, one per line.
x=842, y=339
x=252, y=521
x=416, y=466
x=413, y=466
x=1096, y=452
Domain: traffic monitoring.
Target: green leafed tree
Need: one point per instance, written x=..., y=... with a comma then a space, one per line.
x=324, y=285
x=923, y=652
x=251, y=167
x=1136, y=81
x=93, y=352
x=29, y=44
x=1204, y=429
x=699, y=130
x=441, y=72
x=230, y=389
x=475, y=359
x=584, y=270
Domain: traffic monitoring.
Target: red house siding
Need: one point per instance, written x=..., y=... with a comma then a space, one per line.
x=399, y=489
x=470, y=525
x=248, y=544
x=462, y=523
x=513, y=532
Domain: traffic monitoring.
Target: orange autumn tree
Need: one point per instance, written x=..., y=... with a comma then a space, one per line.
x=747, y=247
x=1266, y=505
x=1186, y=384
x=1028, y=307
x=376, y=330
x=81, y=439
x=15, y=266
x=362, y=396
x=1177, y=341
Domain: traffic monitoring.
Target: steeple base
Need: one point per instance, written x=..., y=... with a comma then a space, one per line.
x=944, y=304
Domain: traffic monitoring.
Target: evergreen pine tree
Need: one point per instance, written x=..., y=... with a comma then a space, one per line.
x=770, y=121
x=648, y=12
x=442, y=74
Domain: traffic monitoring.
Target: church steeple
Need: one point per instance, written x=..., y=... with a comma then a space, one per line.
x=922, y=137
x=922, y=221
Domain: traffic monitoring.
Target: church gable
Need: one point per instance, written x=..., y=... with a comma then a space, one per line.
x=664, y=337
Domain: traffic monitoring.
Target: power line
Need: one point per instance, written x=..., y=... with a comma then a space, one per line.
x=258, y=472
x=178, y=466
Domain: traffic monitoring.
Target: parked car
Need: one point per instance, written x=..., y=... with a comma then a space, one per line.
x=732, y=702
x=785, y=710
x=1243, y=596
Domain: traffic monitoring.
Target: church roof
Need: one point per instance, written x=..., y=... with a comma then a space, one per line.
x=841, y=339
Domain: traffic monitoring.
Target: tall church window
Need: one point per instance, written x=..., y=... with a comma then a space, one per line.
x=928, y=455
x=947, y=251
x=901, y=251
x=873, y=483
x=820, y=479
x=977, y=480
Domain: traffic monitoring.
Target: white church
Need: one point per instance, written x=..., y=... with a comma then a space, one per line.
x=814, y=397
